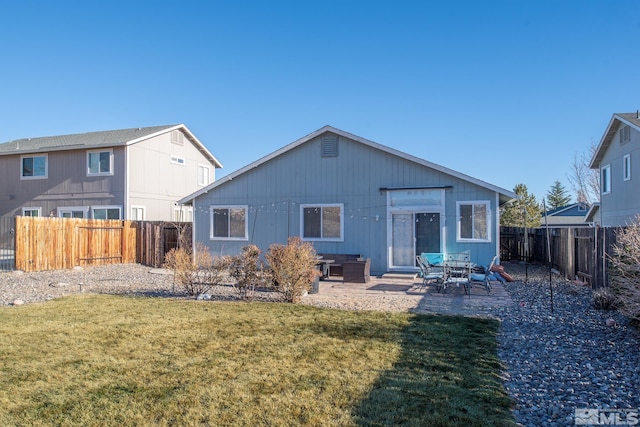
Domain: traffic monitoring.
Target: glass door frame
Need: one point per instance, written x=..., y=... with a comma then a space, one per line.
x=408, y=208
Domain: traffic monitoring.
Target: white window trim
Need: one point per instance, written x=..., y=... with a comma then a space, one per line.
x=177, y=160
x=144, y=212
x=182, y=213
x=29, y=209
x=84, y=209
x=487, y=203
x=246, y=222
x=626, y=167
x=110, y=151
x=605, y=189
x=200, y=165
x=93, y=210
x=46, y=166
x=322, y=205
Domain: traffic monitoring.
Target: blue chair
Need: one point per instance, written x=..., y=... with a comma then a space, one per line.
x=483, y=278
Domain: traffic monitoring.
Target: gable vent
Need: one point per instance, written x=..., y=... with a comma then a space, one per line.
x=329, y=146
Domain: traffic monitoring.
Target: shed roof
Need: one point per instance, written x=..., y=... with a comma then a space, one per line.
x=630, y=119
x=505, y=195
x=107, y=138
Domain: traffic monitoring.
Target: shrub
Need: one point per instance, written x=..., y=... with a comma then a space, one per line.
x=247, y=269
x=625, y=269
x=603, y=299
x=196, y=274
x=293, y=268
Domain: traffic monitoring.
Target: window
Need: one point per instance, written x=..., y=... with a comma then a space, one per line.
x=473, y=221
x=183, y=213
x=626, y=167
x=106, y=212
x=229, y=222
x=625, y=134
x=100, y=162
x=34, y=167
x=137, y=213
x=605, y=179
x=177, y=160
x=321, y=222
x=203, y=175
x=31, y=212
x=177, y=137
x=73, y=212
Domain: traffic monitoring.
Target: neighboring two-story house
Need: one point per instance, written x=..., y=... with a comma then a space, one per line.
x=136, y=174
x=617, y=158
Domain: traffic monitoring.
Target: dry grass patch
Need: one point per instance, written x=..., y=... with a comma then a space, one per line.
x=106, y=360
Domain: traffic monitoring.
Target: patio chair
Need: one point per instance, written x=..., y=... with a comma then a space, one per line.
x=484, y=278
x=429, y=272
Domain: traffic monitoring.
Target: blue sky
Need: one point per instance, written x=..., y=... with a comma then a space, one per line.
x=505, y=91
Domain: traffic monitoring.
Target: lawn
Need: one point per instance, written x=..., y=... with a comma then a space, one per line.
x=96, y=360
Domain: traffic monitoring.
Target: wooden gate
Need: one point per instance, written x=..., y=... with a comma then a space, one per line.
x=45, y=243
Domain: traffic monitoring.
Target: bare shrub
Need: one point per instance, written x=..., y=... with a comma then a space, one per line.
x=625, y=269
x=603, y=299
x=293, y=268
x=247, y=269
x=196, y=274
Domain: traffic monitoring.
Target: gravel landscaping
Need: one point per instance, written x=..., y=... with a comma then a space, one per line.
x=555, y=361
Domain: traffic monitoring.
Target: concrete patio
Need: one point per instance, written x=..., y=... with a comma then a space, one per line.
x=407, y=293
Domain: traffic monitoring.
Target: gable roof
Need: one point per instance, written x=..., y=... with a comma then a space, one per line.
x=505, y=195
x=593, y=212
x=567, y=208
x=108, y=138
x=630, y=119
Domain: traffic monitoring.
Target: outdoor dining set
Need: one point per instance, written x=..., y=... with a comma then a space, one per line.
x=454, y=269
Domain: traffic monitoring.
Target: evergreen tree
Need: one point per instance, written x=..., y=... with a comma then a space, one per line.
x=524, y=207
x=558, y=196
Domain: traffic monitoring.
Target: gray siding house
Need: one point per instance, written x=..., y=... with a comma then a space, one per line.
x=617, y=159
x=348, y=195
x=573, y=215
x=137, y=173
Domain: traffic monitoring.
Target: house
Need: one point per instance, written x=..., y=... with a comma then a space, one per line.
x=617, y=157
x=349, y=195
x=137, y=173
x=567, y=216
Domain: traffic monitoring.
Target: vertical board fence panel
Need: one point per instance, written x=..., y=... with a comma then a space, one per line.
x=156, y=238
x=580, y=253
x=45, y=243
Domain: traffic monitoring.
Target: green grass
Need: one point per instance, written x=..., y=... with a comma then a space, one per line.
x=96, y=360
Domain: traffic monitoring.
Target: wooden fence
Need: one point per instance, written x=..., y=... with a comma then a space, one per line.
x=45, y=243
x=577, y=253
x=155, y=239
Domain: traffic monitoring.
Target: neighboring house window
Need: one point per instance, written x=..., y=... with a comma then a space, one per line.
x=31, y=212
x=177, y=137
x=73, y=212
x=100, y=162
x=177, y=160
x=605, y=179
x=626, y=167
x=203, y=175
x=625, y=134
x=137, y=213
x=322, y=222
x=183, y=213
x=229, y=223
x=582, y=207
x=34, y=167
x=473, y=221
x=106, y=212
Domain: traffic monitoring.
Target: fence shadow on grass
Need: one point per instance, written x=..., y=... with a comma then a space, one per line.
x=446, y=375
